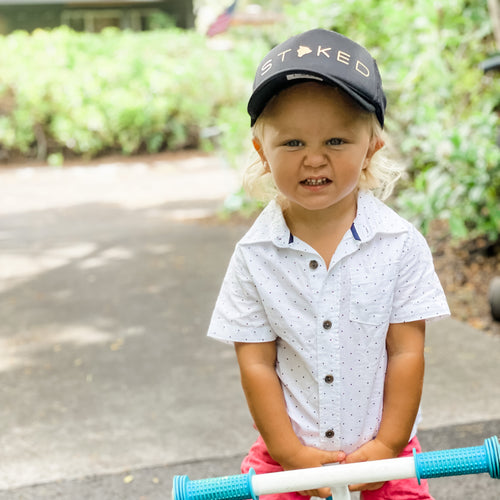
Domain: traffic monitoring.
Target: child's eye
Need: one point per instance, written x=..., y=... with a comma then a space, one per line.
x=335, y=141
x=294, y=143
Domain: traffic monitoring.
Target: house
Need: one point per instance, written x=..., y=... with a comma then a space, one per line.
x=92, y=15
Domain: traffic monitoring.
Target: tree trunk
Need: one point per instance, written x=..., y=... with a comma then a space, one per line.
x=494, y=8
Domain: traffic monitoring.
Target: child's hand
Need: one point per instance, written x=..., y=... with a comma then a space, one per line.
x=306, y=457
x=373, y=450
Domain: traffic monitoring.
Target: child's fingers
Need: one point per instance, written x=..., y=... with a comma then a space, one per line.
x=332, y=457
x=365, y=487
x=321, y=493
x=356, y=456
x=324, y=492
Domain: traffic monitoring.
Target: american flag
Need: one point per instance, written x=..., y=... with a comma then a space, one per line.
x=222, y=23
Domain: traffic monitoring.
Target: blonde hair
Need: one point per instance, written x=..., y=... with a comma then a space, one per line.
x=380, y=176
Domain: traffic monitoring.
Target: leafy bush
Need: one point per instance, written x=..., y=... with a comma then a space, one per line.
x=441, y=106
x=91, y=93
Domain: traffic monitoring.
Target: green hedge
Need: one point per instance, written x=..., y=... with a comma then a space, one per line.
x=82, y=93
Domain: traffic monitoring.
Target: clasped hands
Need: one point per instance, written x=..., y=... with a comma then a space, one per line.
x=306, y=457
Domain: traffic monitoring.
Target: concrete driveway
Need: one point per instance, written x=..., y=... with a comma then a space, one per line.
x=108, y=275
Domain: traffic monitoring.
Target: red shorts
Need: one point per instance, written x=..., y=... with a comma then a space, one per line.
x=259, y=459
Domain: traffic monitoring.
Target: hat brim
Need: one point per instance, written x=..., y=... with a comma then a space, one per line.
x=281, y=81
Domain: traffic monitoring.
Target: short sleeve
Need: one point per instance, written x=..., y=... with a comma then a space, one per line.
x=239, y=315
x=418, y=292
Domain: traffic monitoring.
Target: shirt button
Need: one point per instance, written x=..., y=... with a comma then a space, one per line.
x=313, y=264
x=329, y=379
x=327, y=324
x=329, y=433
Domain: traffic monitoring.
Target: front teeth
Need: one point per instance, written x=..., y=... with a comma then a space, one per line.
x=315, y=182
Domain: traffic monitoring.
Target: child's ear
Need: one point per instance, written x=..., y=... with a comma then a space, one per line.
x=258, y=147
x=376, y=144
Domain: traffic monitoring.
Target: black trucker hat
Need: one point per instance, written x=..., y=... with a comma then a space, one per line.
x=323, y=56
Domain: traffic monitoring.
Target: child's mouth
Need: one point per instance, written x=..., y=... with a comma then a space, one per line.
x=316, y=182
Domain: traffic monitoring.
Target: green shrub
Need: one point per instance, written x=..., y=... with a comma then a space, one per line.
x=441, y=106
x=92, y=93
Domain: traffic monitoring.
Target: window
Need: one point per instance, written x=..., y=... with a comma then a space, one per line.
x=97, y=19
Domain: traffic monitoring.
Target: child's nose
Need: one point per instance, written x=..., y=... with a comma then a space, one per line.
x=315, y=157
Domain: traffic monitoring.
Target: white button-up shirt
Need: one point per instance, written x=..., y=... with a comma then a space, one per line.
x=330, y=324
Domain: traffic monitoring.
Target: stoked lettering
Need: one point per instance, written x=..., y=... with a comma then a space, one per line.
x=319, y=51
x=323, y=56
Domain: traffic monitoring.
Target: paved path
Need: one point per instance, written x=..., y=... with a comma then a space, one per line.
x=108, y=386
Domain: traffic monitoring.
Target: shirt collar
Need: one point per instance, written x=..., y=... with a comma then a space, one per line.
x=270, y=226
x=373, y=217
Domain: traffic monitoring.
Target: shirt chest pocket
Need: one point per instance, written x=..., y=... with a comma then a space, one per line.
x=371, y=297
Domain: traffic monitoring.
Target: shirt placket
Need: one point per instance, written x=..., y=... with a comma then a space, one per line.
x=329, y=349
x=327, y=355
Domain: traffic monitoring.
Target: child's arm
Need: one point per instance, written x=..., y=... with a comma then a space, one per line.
x=266, y=402
x=402, y=392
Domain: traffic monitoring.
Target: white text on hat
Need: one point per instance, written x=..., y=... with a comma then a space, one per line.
x=304, y=51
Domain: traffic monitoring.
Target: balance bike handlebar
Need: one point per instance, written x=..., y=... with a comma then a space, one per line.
x=454, y=462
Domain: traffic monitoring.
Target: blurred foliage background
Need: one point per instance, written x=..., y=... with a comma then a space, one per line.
x=64, y=93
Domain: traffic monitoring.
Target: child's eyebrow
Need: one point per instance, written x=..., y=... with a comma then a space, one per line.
x=335, y=131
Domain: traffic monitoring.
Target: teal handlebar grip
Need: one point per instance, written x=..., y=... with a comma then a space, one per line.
x=219, y=488
x=459, y=461
x=455, y=462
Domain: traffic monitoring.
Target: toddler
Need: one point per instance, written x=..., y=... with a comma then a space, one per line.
x=327, y=296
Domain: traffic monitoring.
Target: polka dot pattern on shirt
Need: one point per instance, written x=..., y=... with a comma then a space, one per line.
x=329, y=324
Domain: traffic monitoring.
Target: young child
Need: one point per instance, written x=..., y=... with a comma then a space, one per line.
x=327, y=295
